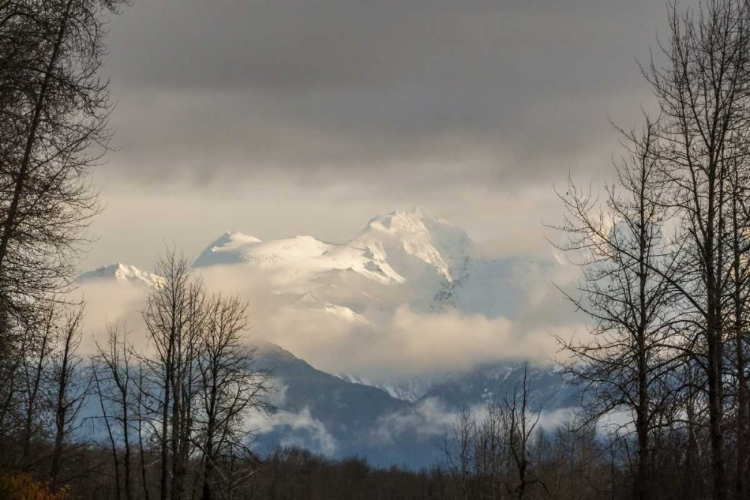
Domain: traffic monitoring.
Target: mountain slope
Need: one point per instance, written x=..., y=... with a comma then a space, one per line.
x=344, y=418
x=340, y=418
x=325, y=413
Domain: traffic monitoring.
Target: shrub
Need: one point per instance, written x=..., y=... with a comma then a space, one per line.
x=18, y=486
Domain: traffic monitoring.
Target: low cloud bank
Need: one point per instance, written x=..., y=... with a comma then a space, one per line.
x=431, y=419
x=382, y=335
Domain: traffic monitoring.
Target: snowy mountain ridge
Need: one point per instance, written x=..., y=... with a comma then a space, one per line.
x=405, y=256
x=385, y=251
x=122, y=273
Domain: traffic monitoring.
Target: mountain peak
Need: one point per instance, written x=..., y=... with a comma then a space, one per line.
x=414, y=220
x=231, y=237
x=416, y=233
x=224, y=249
x=422, y=212
x=264, y=349
x=417, y=212
x=387, y=250
x=122, y=273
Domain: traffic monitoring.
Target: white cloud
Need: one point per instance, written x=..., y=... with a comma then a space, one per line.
x=388, y=337
x=300, y=430
x=431, y=418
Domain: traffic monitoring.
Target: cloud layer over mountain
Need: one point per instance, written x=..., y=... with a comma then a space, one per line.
x=405, y=297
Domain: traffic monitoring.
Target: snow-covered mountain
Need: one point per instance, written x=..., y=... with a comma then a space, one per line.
x=401, y=259
x=388, y=250
x=404, y=254
x=121, y=273
x=404, y=259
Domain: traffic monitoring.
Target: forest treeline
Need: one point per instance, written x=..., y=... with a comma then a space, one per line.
x=665, y=257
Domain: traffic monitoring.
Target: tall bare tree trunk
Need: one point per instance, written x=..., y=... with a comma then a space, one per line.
x=738, y=300
x=10, y=221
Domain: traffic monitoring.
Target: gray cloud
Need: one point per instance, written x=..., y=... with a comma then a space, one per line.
x=408, y=95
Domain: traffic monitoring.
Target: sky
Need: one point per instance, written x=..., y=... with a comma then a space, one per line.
x=289, y=117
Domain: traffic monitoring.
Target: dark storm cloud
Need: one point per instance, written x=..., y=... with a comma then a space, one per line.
x=374, y=91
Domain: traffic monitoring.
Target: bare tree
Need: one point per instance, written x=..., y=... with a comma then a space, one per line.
x=10, y=380
x=703, y=94
x=166, y=317
x=629, y=267
x=71, y=385
x=738, y=291
x=115, y=381
x=493, y=455
x=54, y=110
x=36, y=373
x=700, y=151
x=520, y=421
x=231, y=388
x=142, y=397
x=459, y=462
